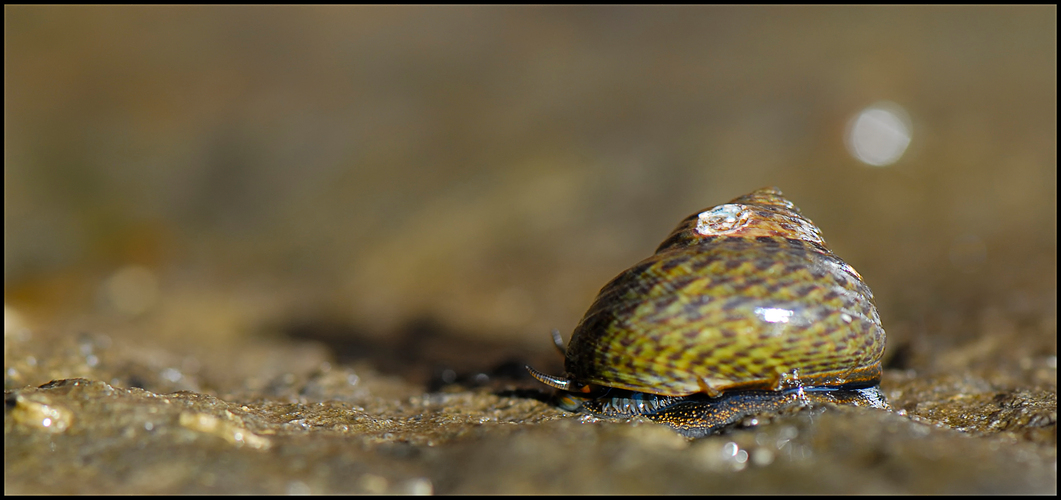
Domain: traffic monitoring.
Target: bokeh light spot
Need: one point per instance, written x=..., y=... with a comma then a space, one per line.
x=879, y=134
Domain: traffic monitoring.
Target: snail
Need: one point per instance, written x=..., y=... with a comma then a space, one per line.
x=742, y=310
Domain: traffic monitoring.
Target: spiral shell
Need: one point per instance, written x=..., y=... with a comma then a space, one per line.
x=743, y=296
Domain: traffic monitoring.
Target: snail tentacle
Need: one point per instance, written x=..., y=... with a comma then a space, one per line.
x=557, y=382
x=558, y=341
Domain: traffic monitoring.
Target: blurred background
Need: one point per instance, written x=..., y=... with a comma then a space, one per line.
x=195, y=176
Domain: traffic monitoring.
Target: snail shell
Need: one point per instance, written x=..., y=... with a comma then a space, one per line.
x=741, y=298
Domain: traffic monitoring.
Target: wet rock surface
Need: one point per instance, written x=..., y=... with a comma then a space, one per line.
x=331, y=428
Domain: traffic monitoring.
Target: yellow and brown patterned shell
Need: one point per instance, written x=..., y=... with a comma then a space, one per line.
x=741, y=295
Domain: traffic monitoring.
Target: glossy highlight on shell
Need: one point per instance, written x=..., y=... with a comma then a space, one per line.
x=742, y=309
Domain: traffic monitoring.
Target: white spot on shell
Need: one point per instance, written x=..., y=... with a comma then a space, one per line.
x=774, y=314
x=722, y=219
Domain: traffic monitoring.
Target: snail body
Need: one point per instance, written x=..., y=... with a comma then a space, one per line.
x=743, y=309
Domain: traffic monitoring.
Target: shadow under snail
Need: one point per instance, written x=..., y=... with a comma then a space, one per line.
x=742, y=310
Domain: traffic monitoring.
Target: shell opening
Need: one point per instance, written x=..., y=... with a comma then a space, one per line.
x=707, y=388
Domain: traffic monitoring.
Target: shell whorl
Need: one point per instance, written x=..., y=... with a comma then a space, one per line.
x=742, y=295
x=764, y=212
